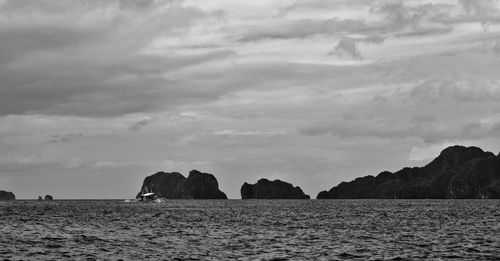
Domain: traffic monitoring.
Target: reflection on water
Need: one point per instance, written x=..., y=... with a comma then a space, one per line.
x=251, y=230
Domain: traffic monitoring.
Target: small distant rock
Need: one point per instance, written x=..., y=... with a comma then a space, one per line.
x=277, y=189
x=6, y=195
x=49, y=197
x=40, y=198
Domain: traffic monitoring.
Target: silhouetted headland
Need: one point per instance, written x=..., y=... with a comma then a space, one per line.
x=277, y=189
x=6, y=195
x=174, y=185
x=458, y=172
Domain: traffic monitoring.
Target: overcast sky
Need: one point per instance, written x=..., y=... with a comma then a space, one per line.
x=96, y=95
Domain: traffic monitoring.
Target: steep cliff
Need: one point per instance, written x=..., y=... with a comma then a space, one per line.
x=165, y=185
x=202, y=186
x=5, y=195
x=174, y=185
x=277, y=189
x=458, y=172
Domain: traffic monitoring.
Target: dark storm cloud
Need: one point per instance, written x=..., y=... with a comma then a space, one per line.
x=86, y=58
x=25, y=39
x=122, y=85
x=94, y=66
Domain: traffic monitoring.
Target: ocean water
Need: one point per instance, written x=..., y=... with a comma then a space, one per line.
x=251, y=230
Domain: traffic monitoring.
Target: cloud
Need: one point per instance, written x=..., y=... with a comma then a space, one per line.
x=406, y=20
x=321, y=5
x=65, y=138
x=108, y=53
x=423, y=119
x=484, y=12
x=128, y=88
x=427, y=152
x=304, y=28
x=359, y=128
x=394, y=18
x=471, y=128
x=25, y=164
x=77, y=58
x=400, y=16
x=346, y=48
x=438, y=90
x=496, y=48
x=234, y=133
x=482, y=9
x=140, y=124
x=488, y=127
x=424, y=128
x=29, y=165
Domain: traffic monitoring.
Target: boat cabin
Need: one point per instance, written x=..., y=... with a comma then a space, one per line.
x=146, y=197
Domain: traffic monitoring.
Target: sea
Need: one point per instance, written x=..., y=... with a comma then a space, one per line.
x=250, y=230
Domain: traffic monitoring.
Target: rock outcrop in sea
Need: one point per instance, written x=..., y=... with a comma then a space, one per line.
x=266, y=189
x=458, y=172
x=6, y=195
x=174, y=185
x=49, y=197
x=202, y=186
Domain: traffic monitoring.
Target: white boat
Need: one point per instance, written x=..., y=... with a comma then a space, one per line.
x=149, y=197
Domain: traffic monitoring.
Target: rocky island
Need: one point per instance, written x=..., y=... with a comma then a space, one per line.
x=6, y=195
x=266, y=189
x=47, y=197
x=174, y=185
x=458, y=172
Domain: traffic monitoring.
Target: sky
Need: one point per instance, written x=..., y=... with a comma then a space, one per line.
x=95, y=95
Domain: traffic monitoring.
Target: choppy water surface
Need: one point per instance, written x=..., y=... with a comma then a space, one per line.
x=251, y=230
